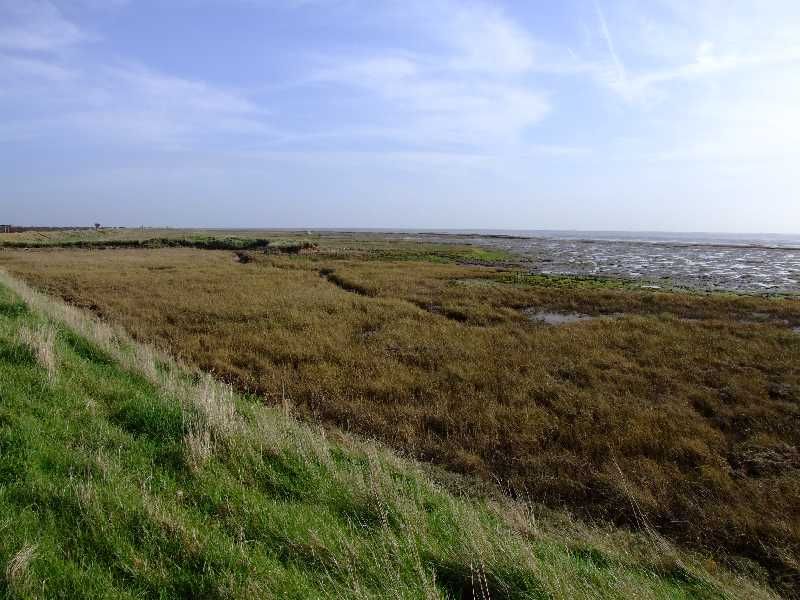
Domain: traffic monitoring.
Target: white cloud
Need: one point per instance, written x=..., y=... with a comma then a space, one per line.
x=702, y=80
x=33, y=68
x=689, y=42
x=483, y=38
x=36, y=25
x=439, y=108
x=132, y=103
x=175, y=93
x=619, y=79
x=469, y=89
x=473, y=89
x=467, y=78
x=707, y=64
x=743, y=120
x=45, y=92
x=121, y=103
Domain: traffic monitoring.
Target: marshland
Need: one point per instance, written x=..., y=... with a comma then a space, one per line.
x=667, y=415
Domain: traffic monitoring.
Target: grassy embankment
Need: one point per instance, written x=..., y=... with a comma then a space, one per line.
x=680, y=413
x=124, y=475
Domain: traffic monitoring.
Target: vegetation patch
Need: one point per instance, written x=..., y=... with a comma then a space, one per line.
x=12, y=309
x=442, y=254
x=343, y=283
x=571, y=282
x=201, y=242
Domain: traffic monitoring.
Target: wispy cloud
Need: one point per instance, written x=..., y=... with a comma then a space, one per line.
x=36, y=25
x=33, y=68
x=437, y=109
x=699, y=82
x=481, y=36
x=620, y=77
x=459, y=77
x=50, y=93
x=124, y=103
x=130, y=103
x=474, y=90
x=691, y=42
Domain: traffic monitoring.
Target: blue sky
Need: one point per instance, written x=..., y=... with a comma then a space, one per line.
x=581, y=114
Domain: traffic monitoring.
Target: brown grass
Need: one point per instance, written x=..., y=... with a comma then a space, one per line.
x=17, y=567
x=41, y=341
x=682, y=416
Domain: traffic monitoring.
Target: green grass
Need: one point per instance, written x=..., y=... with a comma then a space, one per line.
x=570, y=282
x=438, y=253
x=124, y=476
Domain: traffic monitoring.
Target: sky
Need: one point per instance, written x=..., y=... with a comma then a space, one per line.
x=657, y=115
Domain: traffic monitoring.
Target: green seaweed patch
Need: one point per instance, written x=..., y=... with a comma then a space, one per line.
x=565, y=281
x=441, y=255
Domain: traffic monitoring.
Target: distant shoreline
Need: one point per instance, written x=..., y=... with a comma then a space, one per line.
x=664, y=238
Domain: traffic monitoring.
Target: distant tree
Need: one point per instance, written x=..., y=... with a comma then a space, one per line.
x=97, y=225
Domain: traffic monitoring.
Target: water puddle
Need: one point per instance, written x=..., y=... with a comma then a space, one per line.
x=556, y=318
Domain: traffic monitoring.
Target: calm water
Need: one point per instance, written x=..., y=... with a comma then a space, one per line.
x=791, y=241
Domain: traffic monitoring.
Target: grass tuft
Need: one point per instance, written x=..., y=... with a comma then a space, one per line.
x=17, y=567
x=41, y=341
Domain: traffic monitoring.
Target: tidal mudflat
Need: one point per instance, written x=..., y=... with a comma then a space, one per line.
x=754, y=266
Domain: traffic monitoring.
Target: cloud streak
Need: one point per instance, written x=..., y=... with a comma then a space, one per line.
x=124, y=103
x=620, y=80
x=55, y=95
x=37, y=26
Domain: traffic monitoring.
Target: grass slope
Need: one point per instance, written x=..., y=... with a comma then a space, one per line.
x=125, y=476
